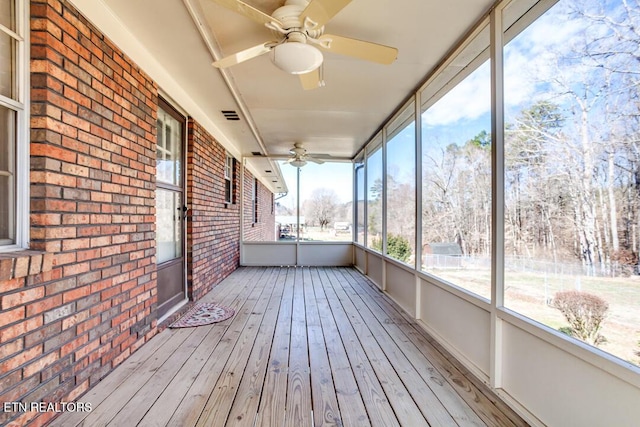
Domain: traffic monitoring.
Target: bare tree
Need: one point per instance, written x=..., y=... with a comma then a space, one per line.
x=457, y=195
x=321, y=207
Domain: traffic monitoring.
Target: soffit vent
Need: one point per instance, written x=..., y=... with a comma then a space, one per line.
x=230, y=115
x=256, y=153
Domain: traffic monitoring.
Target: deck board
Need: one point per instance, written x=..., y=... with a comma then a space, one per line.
x=245, y=407
x=486, y=405
x=165, y=405
x=405, y=408
x=323, y=392
x=307, y=346
x=224, y=392
x=350, y=401
x=192, y=405
x=298, y=408
x=440, y=388
x=272, y=405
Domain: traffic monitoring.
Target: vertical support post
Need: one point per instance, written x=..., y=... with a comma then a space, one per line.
x=366, y=210
x=497, y=199
x=354, y=211
x=418, y=197
x=297, y=215
x=384, y=208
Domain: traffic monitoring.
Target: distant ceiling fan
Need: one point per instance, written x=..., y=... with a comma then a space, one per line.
x=299, y=26
x=300, y=157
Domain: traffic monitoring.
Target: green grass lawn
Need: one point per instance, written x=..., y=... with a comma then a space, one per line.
x=529, y=294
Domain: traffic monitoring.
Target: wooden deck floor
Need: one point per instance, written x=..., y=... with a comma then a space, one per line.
x=307, y=346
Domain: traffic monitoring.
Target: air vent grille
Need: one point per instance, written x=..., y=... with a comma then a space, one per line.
x=230, y=115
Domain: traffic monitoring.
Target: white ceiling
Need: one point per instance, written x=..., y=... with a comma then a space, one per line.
x=166, y=41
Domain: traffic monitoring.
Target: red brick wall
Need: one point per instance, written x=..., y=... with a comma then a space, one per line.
x=84, y=298
x=93, y=116
x=264, y=229
x=213, y=227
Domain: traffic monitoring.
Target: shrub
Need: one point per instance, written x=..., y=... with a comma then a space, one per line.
x=376, y=244
x=398, y=247
x=585, y=313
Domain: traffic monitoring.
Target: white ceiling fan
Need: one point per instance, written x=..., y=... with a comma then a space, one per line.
x=300, y=157
x=299, y=28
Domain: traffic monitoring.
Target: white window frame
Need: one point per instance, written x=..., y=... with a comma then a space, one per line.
x=19, y=103
x=228, y=179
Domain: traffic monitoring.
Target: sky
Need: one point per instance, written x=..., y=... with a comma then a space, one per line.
x=527, y=59
x=466, y=110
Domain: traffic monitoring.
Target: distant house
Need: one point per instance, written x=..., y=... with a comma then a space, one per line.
x=286, y=225
x=442, y=255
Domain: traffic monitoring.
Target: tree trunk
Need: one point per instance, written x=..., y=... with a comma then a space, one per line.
x=613, y=214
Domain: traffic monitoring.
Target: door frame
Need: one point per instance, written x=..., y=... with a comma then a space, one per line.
x=173, y=111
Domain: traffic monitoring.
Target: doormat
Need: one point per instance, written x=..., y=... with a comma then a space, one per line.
x=203, y=314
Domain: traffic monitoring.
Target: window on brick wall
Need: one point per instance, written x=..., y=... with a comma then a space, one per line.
x=13, y=125
x=254, y=200
x=228, y=179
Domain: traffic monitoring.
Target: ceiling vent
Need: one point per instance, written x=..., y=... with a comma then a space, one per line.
x=256, y=153
x=230, y=115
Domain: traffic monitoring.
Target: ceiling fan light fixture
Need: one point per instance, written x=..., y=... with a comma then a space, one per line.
x=298, y=163
x=296, y=57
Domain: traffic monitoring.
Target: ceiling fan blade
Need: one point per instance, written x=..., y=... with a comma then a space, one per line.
x=243, y=55
x=314, y=160
x=311, y=80
x=359, y=49
x=320, y=12
x=249, y=11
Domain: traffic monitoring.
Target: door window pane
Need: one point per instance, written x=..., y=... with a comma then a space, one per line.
x=168, y=228
x=169, y=150
x=572, y=162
